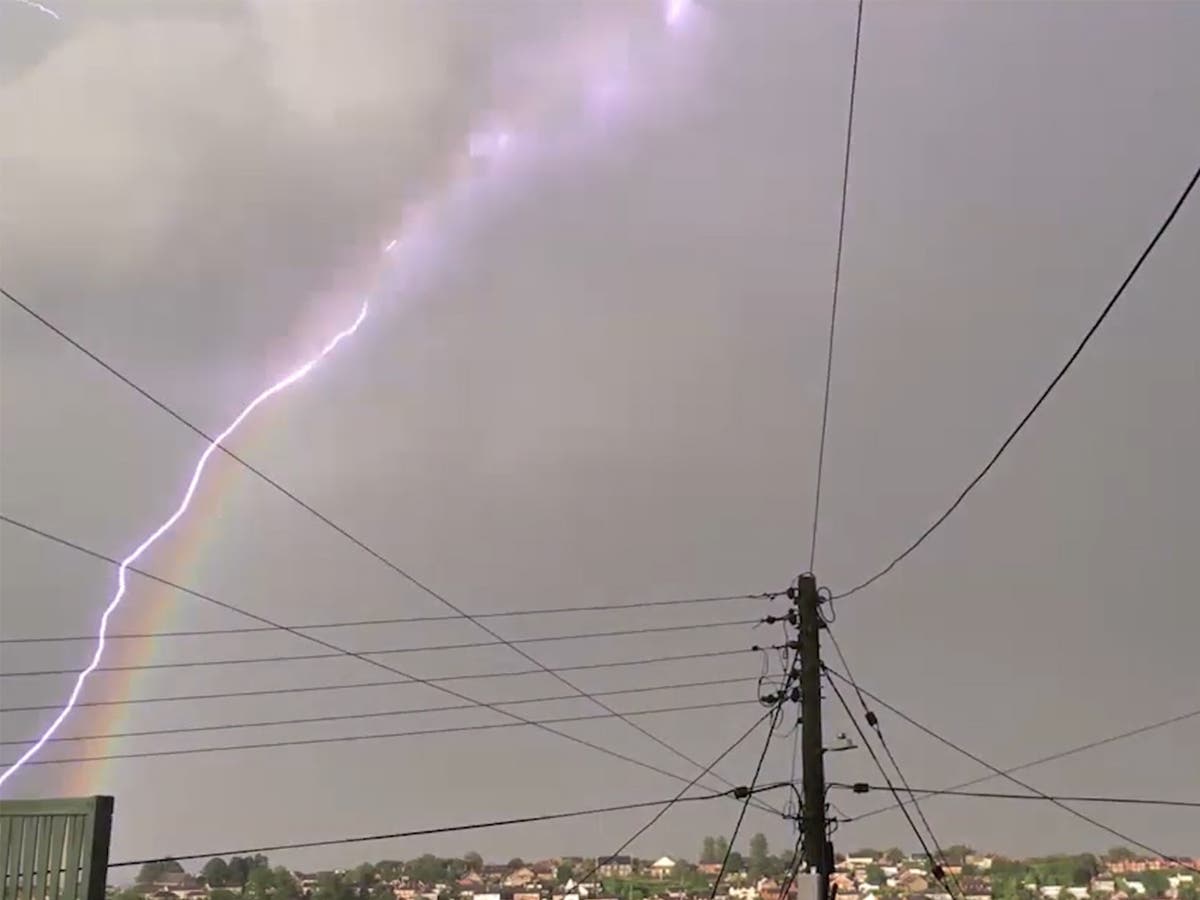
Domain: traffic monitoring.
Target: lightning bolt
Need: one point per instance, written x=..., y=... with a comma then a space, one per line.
x=492, y=145
x=47, y=10
x=279, y=386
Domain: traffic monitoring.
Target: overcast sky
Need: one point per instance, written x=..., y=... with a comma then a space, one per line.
x=597, y=378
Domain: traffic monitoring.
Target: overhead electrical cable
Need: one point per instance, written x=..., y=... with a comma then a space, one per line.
x=837, y=283
x=1000, y=772
x=339, y=529
x=863, y=788
x=399, y=620
x=679, y=797
x=1042, y=760
x=938, y=869
x=375, y=714
x=379, y=664
x=470, y=676
x=418, y=832
x=356, y=738
x=390, y=651
x=873, y=721
x=1040, y=400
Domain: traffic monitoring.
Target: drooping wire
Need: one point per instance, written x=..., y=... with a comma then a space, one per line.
x=837, y=281
x=1010, y=777
x=420, y=832
x=1041, y=398
x=345, y=533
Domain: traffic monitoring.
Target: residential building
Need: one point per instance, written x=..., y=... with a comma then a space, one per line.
x=617, y=867
x=912, y=882
x=662, y=868
x=520, y=877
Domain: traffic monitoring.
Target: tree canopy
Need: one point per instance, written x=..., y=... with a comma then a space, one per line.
x=759, y=852
x=156, y=871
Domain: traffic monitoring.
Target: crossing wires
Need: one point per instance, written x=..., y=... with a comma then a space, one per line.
x=346, y=534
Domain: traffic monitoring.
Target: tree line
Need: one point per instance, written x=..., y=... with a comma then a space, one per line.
x=756, y=863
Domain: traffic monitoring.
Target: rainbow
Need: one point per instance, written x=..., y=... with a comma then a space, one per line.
x=588, y=81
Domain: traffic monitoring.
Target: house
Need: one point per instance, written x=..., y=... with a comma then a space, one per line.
x=472, y=881
x=663, y=867
x=982, y=863
x=1103, y=886
x=768, y=889
x=616, y=867
x=713, y=868
x=975, y=888
x=859, y=862
x=912, y=882
x=520, y=877
x=844, y=884
x=1135, y=888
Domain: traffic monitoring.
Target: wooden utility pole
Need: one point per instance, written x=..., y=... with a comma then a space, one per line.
x=812, y=745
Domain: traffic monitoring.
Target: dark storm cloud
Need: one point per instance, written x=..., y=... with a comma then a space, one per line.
x=611, y=392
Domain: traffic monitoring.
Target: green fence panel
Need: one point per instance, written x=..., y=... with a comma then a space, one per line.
x=55, y=849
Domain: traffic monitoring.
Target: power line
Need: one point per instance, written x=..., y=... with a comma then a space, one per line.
x=353, y=738
x=837, y=281
x=775, y=714
x=679, y=797
x=378, y=714
x=938, y=871
x=862, y=788
x=471, y=676
x=421, y=832
x=1040, y=400
x=873, y=721
x=399, y=620
x=1041, y=760
x=255, y=660
x=324, y=519
x=379, y=664
x=967, y=753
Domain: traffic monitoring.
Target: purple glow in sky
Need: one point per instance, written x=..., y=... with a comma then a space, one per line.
x=600, y=73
